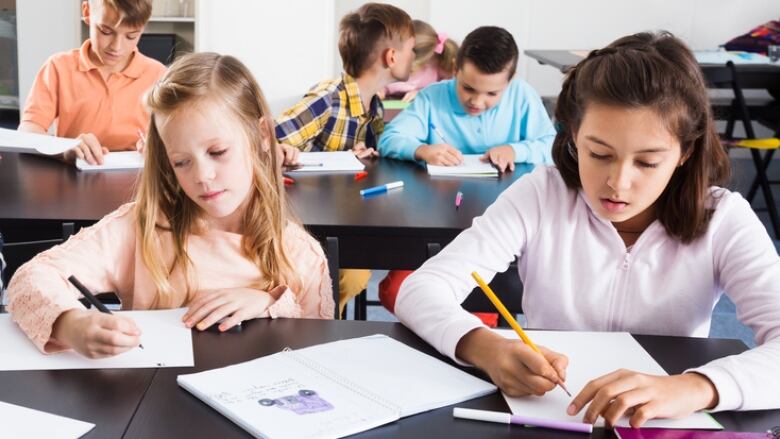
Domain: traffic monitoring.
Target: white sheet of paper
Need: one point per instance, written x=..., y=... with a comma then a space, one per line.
x=591, y=355
x=19, y=141
x=21, y=421
x=472, y=166
x=114, y=160
x=335, y=161
x=167, y=343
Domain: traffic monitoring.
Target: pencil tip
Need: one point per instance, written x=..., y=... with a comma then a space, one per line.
x=142, y=346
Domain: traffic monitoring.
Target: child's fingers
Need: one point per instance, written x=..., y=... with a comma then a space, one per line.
x=112, y=338
x=217, y=314
x=198, y=314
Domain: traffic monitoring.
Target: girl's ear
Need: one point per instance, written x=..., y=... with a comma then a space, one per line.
x=265, y=133
x=85, y=11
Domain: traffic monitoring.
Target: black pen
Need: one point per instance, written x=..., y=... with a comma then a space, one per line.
x=91, y=298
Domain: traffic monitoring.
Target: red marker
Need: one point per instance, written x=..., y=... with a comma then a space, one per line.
x=361, y=175
x=288, y=180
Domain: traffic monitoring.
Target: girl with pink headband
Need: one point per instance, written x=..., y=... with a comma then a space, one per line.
x=434, y=60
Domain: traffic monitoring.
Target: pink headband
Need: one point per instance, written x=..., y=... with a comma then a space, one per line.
x=441, y=38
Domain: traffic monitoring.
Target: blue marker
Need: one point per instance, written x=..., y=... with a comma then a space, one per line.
x=381, y=189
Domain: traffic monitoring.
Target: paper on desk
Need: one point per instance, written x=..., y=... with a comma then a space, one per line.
x=167, y=343
x=591, y=355
x=21, y=421
x=334, y=161
x=20, y=141
x=472, y=166
x=114, y=160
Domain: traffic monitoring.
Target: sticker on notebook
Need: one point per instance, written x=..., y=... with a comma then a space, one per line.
x=305, y=402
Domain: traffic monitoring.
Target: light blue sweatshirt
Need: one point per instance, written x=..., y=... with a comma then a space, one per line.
x=519, y=119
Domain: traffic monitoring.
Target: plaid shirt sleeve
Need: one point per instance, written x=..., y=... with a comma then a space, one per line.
x=303, y=121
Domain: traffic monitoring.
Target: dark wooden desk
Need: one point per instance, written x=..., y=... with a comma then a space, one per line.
x=751, y=76
x=389, y=231
x=108, y=398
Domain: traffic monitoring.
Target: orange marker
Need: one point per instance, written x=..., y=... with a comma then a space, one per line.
x=288, y=180
x=361, y=175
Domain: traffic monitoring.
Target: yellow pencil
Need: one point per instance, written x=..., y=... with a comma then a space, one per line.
x=512, y=322
x=770, y=143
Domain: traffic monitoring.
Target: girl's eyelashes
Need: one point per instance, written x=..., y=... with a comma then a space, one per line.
x=640, y=163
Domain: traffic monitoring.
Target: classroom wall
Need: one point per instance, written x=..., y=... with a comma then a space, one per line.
x=287, y=45
x=574, y=24
x=291, y=45
x=43, y=28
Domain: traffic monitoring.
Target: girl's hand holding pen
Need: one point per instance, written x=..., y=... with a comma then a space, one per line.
x=94, y=334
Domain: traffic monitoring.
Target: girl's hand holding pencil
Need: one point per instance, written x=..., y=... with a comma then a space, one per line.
x=512, y=365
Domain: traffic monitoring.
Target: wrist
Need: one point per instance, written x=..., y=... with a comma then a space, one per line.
x=63, y=323
x=476, y=346
x=420, y=152
x=705, y=388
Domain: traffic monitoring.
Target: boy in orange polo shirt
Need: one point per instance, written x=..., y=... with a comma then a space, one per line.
x=95, y=93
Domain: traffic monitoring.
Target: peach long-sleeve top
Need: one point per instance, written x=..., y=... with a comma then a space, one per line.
x=107, y=257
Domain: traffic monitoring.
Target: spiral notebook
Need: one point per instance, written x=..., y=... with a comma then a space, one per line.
x=332, y=390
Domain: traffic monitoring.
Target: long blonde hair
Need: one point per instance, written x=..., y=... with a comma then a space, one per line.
x=193, y=79
x=426, y=39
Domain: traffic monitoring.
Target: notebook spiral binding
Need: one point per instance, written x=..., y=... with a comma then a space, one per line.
x=341, y=380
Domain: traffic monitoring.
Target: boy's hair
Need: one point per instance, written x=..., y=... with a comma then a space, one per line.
x=654, y=70
x=363, y=34
x=132, y=13
x=163, y=207
x=425, y=41
x=491, y=49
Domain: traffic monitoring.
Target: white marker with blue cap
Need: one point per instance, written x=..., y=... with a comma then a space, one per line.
x=381, y=189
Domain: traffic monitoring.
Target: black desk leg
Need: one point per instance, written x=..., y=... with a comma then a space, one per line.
x=68, y=229
x=361, y=305
x=433, y=249
x=754, y=187
x=332, y=252
x=766, y=189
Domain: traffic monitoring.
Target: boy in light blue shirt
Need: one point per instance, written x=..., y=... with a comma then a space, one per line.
x=481, y=111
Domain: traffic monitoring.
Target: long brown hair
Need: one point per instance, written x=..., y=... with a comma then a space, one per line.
x=163, y=207
x=658, y=71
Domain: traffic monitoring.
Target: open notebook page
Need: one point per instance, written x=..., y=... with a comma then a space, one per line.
x=167, y=343
x=114, y=160
x=472, y=166
x=334, y=161
x=591, y=355
x=408, y=378
x=280, y=396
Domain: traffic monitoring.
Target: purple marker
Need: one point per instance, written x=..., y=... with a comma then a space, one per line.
x=506, y=418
